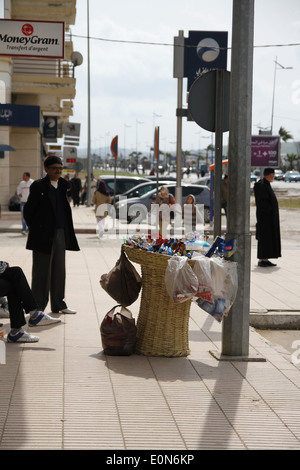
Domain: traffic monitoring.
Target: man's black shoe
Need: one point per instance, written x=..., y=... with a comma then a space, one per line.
x=266, y=264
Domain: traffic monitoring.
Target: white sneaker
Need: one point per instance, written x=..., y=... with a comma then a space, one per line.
x=67, y=310
x=43, y=319
x=22, y=337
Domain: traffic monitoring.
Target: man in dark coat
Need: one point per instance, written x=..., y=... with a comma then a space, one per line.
x=48, y=215
x=267, y=216
x=76, y=188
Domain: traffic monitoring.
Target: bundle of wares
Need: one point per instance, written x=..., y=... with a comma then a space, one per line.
x=195, y=270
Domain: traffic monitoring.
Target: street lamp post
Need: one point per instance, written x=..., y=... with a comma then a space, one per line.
x=273, y=99
x=136, y=136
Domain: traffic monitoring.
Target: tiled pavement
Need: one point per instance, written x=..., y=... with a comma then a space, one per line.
x=64, y=393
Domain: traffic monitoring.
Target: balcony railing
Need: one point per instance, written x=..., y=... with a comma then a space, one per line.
x=43, y=67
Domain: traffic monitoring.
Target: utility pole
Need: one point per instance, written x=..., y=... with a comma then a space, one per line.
x=179, y=73
x=235, y=331
x=89, y=165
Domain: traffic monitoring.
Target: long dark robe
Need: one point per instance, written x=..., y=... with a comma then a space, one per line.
x=267, y=217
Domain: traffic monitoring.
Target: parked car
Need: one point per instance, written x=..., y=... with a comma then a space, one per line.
x=204, y=180
x=201, y=193
x=141, y=189
x=123, y=183
x=162, y=178
x=279, y=176
x=292, y=175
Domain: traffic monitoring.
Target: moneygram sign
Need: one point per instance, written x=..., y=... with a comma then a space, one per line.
x=32, y=38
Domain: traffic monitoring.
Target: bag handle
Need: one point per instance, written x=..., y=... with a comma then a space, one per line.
x=124, y=311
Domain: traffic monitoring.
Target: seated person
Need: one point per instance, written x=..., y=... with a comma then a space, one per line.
x=14, y=285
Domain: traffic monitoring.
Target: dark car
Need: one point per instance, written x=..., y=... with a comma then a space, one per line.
x=140, y=189
x=143, y=203
x=123, y=183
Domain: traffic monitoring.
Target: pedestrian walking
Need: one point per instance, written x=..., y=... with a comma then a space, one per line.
x=14, y=285
x=100, y=198
x=267, y=217
x=51, y=232
x=23, y=193
x=76, y=188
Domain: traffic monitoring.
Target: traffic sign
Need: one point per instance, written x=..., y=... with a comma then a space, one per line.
x=114, y=146
x=202, y=102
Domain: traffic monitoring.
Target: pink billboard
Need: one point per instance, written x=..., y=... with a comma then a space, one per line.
x=265, y=151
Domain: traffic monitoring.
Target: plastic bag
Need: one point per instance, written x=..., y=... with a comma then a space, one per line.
x=180, y=280
x=118, y=332
x=203, y=272
x=225, y=283
x=123, y=283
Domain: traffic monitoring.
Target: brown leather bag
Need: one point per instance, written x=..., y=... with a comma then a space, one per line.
x=123, y=283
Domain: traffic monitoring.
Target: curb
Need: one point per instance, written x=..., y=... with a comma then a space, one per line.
x=271, y=320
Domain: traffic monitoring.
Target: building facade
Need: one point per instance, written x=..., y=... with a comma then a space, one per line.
x=46, y=83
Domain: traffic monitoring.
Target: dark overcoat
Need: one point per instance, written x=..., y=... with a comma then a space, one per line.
x=267, y=217
x=40, y=216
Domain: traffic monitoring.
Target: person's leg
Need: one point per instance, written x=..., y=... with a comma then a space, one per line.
x=58, y=272
x=40, y=283
x=24, y=225
x=16, y=312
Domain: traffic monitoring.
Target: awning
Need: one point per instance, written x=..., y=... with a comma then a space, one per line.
x=6, y=148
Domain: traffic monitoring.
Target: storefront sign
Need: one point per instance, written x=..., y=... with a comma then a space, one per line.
x=32, y=38
x=19, y=115
x=50, y=127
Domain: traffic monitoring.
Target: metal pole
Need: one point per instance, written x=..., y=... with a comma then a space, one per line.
x=235, y=332
x=89, y=167
x=178, y=189
x=218, y=150
x=273, y=97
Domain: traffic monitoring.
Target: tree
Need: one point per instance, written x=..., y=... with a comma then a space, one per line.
x=284, y=134
x=135, y=160
x=291, y=158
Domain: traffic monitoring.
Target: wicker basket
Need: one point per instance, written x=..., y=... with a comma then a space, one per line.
x=162, y=325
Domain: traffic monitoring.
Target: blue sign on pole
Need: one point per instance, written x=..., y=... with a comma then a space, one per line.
x=204, y=51
x=19, y=115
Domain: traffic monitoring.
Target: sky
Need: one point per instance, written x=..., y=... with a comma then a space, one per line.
x=132, y=88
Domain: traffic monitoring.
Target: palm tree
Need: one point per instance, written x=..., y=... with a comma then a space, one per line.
x=291, y=158
x=284, y=134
